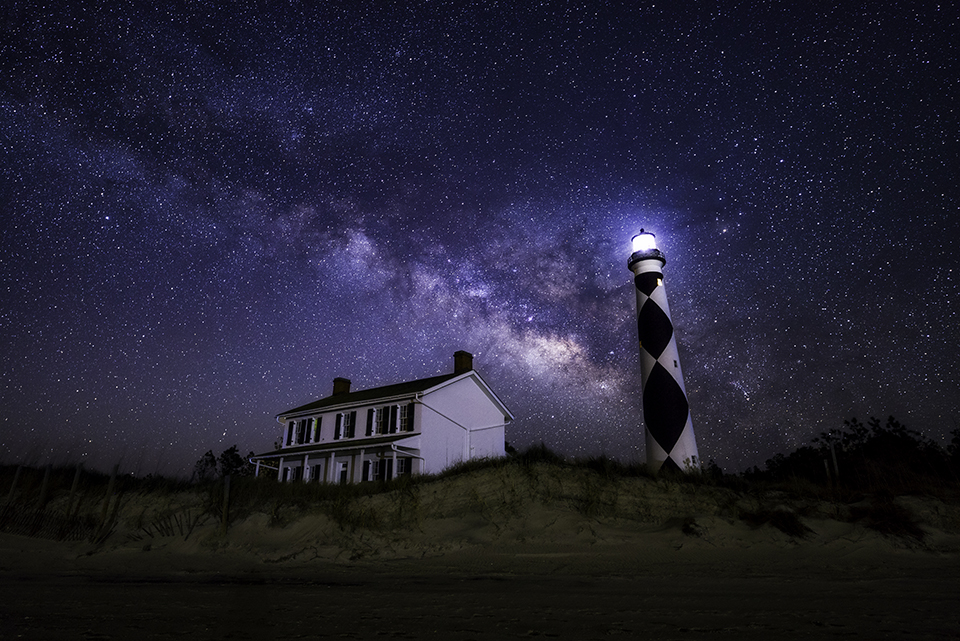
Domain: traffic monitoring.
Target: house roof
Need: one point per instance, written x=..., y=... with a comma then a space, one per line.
x=372, y=394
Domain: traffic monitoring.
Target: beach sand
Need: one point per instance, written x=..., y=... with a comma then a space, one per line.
x=469, y=565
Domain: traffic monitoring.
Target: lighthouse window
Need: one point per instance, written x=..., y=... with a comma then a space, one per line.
x=675, y=364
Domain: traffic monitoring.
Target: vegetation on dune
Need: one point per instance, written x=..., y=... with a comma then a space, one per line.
x=869, y=458
x=860, y=470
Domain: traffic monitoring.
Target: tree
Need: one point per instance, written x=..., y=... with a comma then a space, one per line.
x=228, y=463
x=231, y=463
x=206, y=468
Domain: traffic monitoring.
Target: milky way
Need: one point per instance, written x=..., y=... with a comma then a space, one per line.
x=211, y=212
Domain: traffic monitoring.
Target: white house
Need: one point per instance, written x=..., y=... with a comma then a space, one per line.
x=419, y=427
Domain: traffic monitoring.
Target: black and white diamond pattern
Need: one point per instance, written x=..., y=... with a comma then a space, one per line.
x=666, y=412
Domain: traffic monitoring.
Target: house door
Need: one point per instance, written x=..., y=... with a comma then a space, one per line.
x=343, y=473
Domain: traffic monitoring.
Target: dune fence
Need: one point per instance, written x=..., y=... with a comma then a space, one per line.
x=38, y=503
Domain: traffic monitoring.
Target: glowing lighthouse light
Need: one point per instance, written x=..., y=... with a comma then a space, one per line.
x=644, y=241
x=666, y=412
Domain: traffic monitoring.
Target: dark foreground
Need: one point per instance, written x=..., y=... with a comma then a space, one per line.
x=457, y=599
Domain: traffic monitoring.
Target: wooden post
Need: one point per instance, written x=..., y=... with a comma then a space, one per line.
x=73, y=489
x=106, y=499
x=226, y=505
x=44, y=488
x=13, y=486
x=836, y=470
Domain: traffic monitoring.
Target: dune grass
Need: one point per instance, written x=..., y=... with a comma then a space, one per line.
x=873, y=470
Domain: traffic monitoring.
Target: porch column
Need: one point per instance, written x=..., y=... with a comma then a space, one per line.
x=358, y=469
x=280, y=470
x=393, y=472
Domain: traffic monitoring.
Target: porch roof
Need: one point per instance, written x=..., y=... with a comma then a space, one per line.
x=341, y=445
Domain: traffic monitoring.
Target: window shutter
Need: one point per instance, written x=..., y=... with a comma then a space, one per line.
x=338, y=428
x=353, y=424
x=316, y=432
x=290, y=433
x=410, y=416
x=370, y=413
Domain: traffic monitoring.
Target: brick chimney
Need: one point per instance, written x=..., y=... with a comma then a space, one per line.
x=462, y=362
x=341, y=386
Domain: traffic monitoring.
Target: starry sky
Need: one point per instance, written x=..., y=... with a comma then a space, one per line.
x=210, y=210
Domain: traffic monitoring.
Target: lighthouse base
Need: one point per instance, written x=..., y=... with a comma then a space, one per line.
x=683, y=456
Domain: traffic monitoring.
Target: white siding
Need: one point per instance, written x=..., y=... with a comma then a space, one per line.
x=459, y=422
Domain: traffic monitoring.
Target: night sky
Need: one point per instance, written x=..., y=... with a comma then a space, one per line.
x=210, y=210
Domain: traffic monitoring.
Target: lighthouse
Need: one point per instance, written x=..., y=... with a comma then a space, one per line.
x=666, y=412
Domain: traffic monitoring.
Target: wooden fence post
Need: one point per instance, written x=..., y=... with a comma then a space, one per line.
x=44, y=488
x=226, y=505
x=106, y=499
x=73, y=489
x=13, y=486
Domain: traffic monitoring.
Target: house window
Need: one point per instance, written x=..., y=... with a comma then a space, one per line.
x=349, y=424
x=298, y=473
x=343, y=473
x=290, y=432
x=315, y=472
x=303, y=430
x=406, y=417
x=383, y=420
x=316, y=429
x=403, y=466
x=381, y=469
x=346, y=425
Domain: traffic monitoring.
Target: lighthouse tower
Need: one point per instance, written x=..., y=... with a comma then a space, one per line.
x=666, y=412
